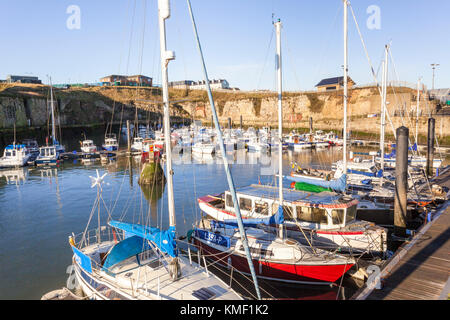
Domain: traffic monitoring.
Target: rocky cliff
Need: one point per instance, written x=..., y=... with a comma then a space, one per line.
x=27, y=105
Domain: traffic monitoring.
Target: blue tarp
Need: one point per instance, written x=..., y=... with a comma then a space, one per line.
x=378, y=174
x=83, y=260
x=124, y=249
x=17, y=146
x=164, y=240
x=277, y=218
x=338, y=185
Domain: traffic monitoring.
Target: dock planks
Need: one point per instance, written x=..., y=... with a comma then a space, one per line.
x=423, y=271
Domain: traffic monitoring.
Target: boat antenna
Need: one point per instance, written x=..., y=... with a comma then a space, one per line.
x=224, y=158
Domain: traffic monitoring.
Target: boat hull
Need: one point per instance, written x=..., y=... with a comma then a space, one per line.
x=276, y=271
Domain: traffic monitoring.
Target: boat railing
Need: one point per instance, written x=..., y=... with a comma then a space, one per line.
x=93, y=236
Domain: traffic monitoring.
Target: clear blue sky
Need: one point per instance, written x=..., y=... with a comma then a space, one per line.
x=235, y=36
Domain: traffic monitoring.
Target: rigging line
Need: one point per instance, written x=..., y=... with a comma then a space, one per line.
x=294, y=68
x=265, y=60
x=131, y=37
x=326, y=43
x=409, y=141
x=124, y=35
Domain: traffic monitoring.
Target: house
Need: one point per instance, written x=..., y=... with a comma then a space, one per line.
x=214, y=84
x=183, y=84
x=22, y=79
x=335, y=83
x=120, y=80
x=201, y=85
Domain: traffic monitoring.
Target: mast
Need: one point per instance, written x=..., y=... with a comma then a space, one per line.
x=280, y=120
x=225, y=160
x=53, y=112
x=417, y=111
x=166, y=56
x=345, y=84
x=383, y=109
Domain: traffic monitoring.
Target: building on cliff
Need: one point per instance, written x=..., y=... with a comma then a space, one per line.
x=201, y=85
x=335, y=83
x=119, y=80
x=22, y=79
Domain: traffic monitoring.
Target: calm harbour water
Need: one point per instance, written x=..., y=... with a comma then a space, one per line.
x=38, y=213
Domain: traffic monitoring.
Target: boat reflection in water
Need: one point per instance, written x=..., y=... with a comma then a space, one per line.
x=15, y=176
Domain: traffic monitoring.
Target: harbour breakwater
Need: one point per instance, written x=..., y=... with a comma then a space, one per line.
x=28, y=106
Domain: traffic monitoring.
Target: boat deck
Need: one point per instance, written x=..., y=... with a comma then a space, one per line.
x=420, y=269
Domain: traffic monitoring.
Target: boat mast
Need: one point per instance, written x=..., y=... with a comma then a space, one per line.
x=345, y=85
x=280, y=120
x=383, y=109
x=225, y=159
x=166, y=56
x=417, y=111
x=53, y=112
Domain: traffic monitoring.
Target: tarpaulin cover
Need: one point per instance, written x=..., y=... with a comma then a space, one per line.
x=124, y=249
x=83, y=260
x=164, y=240
x=309, y=187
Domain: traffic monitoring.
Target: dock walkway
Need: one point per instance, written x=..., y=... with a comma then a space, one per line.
x=420, y=269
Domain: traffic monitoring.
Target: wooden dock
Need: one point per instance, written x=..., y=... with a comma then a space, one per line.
x=420, y=268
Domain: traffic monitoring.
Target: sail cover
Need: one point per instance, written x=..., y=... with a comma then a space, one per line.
x=164, y=240
x=338, y=185
x=277, y=218
x=129, y=247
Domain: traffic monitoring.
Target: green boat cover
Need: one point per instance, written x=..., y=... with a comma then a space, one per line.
x=303, y=186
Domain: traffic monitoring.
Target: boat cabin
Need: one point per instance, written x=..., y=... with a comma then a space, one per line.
x=47, y=152
x=88, y=143
x=327, y=210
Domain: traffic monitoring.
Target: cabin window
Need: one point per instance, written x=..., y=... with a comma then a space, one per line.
x=229, y=201
x=308, y=214
x=245, y=204
x=337, y=216
x=261, y=207
x=8, y=154
x=351, y=213
x=289, y=214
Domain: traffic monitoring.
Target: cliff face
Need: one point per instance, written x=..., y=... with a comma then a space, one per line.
x=77, y=106
x=29, y=105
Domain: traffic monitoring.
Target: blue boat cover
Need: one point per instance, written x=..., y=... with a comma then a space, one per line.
x=17, y=146
x=378, y=174
x=124, y=249
x=164, y=240
x=337, y=185
x=277, y=218
x=83, y=260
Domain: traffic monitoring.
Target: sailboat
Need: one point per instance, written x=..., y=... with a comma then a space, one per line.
x=138, y=261
x=50, y=154
x=274, y=257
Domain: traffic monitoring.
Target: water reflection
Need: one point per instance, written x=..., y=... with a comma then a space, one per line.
x=15, y=176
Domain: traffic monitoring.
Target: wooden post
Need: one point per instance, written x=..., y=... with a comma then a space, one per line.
x=229, y=123
x=310, y=125
x=128, y=136
x=241, y=121
x=401, y=183
x=430, y=146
